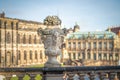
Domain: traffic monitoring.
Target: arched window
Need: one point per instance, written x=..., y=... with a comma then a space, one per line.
x=35, y=40
x=41, y=54
x=83, y=55
x=8, y=38
x=5, y=24
x=16, y=26
x=25, y=55
x=88, y=54
x=105, y=56
x=30, y=41
x=99, y=56
x=30, y=55
x=69, y=55
x=12, y=25
x=110, y=56
x=74, y=45
x=0, y=56
x=19, y=55
x=24, y=39
x=79, y=55
x=35, y=54
x=94, y=56
x=18, y=38
x=74, y=56
x=116, y=56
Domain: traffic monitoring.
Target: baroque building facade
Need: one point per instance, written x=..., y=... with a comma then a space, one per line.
x=20, y=44
x=92, y=48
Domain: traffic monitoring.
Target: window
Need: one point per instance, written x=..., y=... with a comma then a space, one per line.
x=110, y=45
x=41, y=54
x=89, y=45
x=99, y=56
x=18, y=38
x=8, y=38
x=100, y=45
x=88, y=54
x=74, y=45
x=35, y=40
x=12, y=25
x=30, y=55
x=94, y=56
x=79, y=46
x=19, y=56
x=116, y=56
x=94, y=45
x=5, y=24
x=105, y=45
x=69, y=45
x=17, y=26
x=69, y=55
x=84, y=45
x=105, y=56
x=74, y=56
x=79, y=55
x=30, y=41
x=83, y=55
x=24, y=39
x=0, y=56
x=25, y=55
x=110, y=56
x=35, y=54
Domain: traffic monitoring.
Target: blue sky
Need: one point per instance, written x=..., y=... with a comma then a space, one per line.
x=91, y=15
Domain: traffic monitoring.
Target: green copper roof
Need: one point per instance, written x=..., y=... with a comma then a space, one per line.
x=93, y=34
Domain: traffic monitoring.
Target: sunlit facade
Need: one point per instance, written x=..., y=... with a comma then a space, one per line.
x=19, y=43
x=94, y=48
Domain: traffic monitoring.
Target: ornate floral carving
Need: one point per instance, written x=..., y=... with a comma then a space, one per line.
x=52, y=20
x=52, y=40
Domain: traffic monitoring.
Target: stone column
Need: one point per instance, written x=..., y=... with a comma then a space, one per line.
x=20, y=76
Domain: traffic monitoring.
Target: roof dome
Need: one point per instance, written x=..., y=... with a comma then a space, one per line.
x=77, y=26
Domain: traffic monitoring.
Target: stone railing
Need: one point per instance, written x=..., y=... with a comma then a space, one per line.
x=61, y=73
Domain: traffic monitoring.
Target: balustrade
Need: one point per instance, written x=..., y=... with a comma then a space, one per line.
x=64, y=73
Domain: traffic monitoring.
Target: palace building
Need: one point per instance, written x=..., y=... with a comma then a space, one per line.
x=93, y=48
x=20, y=44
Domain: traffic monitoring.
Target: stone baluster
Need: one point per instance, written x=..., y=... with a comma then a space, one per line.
x=32, y=76
x=81, y=76
x=96, y=77
x=66, y=76
x=20, y=76
x=70, y=76
x=76, y=77
x=8, y=77
x=102, y=75
x=87, y=77
x=112, y=76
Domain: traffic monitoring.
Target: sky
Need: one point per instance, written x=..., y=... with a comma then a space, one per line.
x=90, y=15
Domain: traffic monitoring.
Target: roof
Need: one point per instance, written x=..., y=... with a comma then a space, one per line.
x=115, y=29
x=93, y=34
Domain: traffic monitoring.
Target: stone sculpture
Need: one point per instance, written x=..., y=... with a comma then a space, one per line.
x=52, y=39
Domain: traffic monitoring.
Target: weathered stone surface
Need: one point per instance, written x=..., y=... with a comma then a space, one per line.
x=52, y=40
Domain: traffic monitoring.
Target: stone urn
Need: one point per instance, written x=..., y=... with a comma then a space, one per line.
x=52, y=39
